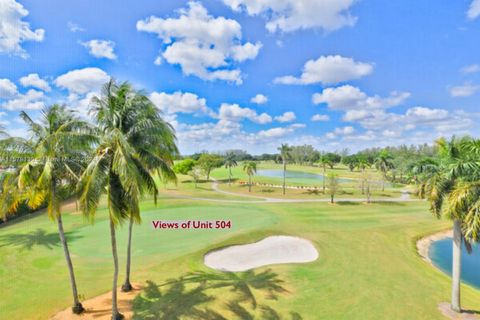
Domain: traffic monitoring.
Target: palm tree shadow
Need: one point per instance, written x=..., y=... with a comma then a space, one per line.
x=190, y=297
x=39, y=237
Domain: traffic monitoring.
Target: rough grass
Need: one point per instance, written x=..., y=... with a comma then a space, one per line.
x=368, y=267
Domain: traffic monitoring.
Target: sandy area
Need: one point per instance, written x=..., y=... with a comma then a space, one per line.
x=271, y=250
x=423, y=245
x=100, y=307
x=445, y=309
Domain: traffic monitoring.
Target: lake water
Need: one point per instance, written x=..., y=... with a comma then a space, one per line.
x=441, y=256
x=273, y=173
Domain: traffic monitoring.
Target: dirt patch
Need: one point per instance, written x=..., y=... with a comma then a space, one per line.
x=423, y=245
x=445, y=309
x=100, y=307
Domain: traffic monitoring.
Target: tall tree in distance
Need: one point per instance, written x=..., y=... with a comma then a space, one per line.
x=49, y=168
x=250, y=168
x=384, y=163
x=284, y=156
x=229, y=163
x=324, y=162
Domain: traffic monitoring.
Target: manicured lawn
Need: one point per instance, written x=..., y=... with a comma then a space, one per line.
x=368, y=266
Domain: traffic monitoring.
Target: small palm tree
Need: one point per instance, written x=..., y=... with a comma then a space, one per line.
x=324, y=161
x=285, y=155
x=250, y=168
x=50, y=168
x=384, y=163
x=229, y=163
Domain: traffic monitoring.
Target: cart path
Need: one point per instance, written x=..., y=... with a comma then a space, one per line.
x=405, y=197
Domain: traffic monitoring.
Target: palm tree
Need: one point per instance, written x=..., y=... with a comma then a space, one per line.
x=51, y=167
x=134, y=142
x=250, y=168
x=285, y=155
x=324, y=162
x=384, y=163
x=363, y=164
x=446, y=191
x=229, y=163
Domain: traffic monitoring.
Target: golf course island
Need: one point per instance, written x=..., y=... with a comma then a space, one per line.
x=239, y=160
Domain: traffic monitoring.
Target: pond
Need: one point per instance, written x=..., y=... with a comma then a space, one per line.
x=275, y=173
x=441, y=255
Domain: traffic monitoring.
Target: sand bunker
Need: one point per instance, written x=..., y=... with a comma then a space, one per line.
x=271, y=250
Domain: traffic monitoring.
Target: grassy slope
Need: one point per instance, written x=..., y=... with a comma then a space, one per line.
x=368, y=266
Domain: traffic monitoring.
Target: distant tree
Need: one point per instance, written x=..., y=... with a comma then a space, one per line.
x=333, y=186
x=362, y=164
x=208, y=162
x=196, y=173
x=229, y=163
x=285, y=155
x=350, y=161
x=333, y=158
x=184, y=166
x=324, y=162
x=384, y=163
x=250, y=169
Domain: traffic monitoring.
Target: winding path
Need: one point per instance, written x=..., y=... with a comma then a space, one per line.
x=405, y=197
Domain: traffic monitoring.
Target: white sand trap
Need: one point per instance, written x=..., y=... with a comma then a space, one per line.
x=271, y=250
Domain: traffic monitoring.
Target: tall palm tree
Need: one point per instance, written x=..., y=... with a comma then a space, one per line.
x=324, y=161
x=50, y=168
x=229, y=163
x=285, y=155
x=445, y=190
x=384, y=163
x=250, y=168
x=362, y=164
x=134, y=142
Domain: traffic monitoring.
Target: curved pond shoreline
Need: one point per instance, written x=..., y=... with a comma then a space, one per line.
x=423, y=245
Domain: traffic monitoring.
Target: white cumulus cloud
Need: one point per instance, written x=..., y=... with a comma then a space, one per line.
x=291, y=15
x=34, y=80
x=235, y=113
x=8, y=89
x=31, y=100
x=474, y=10
x=259, y=99
x=82, y=81
x=203, y=45
x=183, y=102
x=348, y=97
x=286, y=117
x=465, y=90
x=472, y=68
x=320, y=117
x=101, y=48
x=327, y=70
x=14, y=31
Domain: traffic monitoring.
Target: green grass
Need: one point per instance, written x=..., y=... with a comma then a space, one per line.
x=368, y=266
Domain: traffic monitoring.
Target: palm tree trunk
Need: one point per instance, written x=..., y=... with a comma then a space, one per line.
x=324, y=169
x=331, y=198
x=249, y=183
x=229, y=176
x=116, y=315
x=284, y=173
x=456, y=264
x=127, y=286
x=77, y=306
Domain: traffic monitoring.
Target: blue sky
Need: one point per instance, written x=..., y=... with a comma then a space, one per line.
x=334, y=74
